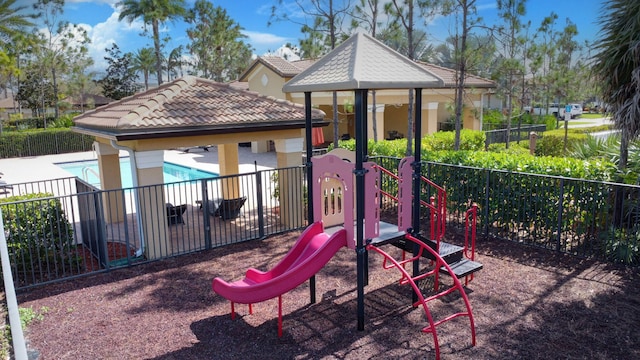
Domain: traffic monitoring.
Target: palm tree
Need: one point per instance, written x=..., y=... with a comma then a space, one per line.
x=144, y=61
x=12, y=35
x=617, y=63
x=174, y=63
x=10, y=22
x=152, y=12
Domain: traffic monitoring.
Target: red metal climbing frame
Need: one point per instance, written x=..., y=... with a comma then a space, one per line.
x=438, y=264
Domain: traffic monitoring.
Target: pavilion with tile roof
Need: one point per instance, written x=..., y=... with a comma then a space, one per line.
x=267, y=75
x=190, y=112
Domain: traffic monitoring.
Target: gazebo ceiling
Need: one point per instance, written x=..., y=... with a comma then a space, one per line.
x=362, y=62
x=192, y=106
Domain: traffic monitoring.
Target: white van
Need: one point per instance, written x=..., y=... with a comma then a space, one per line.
x=576, y=110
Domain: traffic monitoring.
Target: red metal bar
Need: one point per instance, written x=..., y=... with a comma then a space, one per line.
x=470, y=249
x=389, y=262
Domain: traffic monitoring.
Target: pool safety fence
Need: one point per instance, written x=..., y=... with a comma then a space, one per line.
x=66, y=228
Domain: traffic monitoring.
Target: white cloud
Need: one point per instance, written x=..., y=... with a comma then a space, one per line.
x=112, y=3
x=261, y=38
x=104, y=34
x=262, y=42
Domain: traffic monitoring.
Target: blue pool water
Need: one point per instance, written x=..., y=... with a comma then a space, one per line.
x=88, y=171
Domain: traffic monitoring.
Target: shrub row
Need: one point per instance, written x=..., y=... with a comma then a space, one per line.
x=17, y=123
x=40, y=237
x=437, y=148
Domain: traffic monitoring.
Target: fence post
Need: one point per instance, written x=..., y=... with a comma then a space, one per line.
x=206, y=211
x=560, y=207
x=259, y=192
x=532, y=142
x=486, y=203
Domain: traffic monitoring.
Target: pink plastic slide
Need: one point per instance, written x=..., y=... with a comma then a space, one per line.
x=308, y=255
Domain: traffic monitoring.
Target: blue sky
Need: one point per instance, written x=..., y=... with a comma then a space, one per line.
x=100, y=18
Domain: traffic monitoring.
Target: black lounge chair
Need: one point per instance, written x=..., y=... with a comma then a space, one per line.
x=174, y=213
x=229, y=208
x=4, y=186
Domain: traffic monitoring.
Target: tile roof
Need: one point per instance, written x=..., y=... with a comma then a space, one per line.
x=192, y=104
x=449, y=76
x=284, y=68
x=362, y=62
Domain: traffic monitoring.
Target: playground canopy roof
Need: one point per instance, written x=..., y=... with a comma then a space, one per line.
x=362, y=62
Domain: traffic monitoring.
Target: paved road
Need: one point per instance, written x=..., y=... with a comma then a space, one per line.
x=589, y=122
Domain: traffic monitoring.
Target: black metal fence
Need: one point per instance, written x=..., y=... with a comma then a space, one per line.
x=35, y=143
x=66, y=228
x=575, y=216
x=516, y=133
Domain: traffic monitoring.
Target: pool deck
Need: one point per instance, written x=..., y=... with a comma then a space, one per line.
x=36, y=168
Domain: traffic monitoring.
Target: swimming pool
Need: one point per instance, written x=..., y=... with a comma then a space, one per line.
x=88, y=171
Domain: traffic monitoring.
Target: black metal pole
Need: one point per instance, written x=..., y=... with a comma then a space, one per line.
x=417, y=166
x=309, y=148
x=361, y=150
x=417, y=172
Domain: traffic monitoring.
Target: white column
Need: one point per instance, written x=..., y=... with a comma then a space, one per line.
x=429, y=118
x=146, y=169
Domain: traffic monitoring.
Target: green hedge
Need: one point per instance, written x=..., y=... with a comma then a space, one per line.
x=43, y=142
x=438, y=148
x=40, y=237
x=441, y=140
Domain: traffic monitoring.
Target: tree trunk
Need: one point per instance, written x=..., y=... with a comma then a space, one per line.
x=410, y=125
x=156, y=45
x=618, y=211
x=373, y=116
x=462, y=66
x=56, y=110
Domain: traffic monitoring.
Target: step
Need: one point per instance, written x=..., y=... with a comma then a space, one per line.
x=449, y=252
x=462, y=268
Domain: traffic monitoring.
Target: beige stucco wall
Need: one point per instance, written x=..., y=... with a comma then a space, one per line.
x=266, y=82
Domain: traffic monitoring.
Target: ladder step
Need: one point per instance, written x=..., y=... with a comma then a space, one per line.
x=449, y=252
x=462, y=268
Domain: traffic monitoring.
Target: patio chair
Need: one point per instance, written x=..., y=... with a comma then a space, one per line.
x=4, y=186
x=211, y=205
x=174, y=213
x=230, y=208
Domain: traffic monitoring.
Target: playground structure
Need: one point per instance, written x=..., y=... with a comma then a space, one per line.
x=333, y=199
x=360, y=64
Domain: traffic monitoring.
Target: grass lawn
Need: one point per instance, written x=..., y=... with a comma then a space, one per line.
x=573, y=123
x=591, y=116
